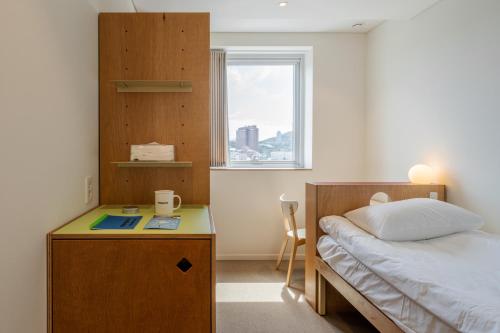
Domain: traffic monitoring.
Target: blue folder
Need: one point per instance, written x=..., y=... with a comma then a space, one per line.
x=111, y=222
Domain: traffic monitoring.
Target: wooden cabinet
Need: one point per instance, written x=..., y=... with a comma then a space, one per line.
x=142, y=281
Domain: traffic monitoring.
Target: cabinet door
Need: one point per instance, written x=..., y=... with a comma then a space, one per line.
x=131, y=286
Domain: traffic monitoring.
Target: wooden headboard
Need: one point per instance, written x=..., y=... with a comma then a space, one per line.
x=333, y=198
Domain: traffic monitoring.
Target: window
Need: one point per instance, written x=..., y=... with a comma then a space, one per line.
x=265, y=105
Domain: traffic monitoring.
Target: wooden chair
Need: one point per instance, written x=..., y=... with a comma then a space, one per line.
x=298, y=236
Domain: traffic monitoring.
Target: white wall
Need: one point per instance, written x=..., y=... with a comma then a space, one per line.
x=433, y=95
x=245, y=203
x=48, y=141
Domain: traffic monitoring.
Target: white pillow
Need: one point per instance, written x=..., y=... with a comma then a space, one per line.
x=414, y=219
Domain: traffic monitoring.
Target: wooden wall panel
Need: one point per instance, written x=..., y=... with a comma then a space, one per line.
x=154, y=46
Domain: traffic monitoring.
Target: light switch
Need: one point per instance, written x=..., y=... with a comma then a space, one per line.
x=433, y=195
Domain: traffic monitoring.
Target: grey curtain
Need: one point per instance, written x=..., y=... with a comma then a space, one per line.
x=218, y=108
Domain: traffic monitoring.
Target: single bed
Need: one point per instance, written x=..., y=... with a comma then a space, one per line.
x=444, y=284
x=429, y=286
x=401, y=309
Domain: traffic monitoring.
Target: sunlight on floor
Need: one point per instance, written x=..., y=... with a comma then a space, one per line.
x=257, y=292
x=252, y=298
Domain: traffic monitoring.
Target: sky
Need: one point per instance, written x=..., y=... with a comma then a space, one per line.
x=260, y=95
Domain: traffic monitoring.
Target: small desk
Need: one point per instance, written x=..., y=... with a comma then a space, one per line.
x=137, y=280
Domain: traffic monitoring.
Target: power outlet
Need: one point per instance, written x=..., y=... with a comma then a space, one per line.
x=89, y=189
x=433, y=195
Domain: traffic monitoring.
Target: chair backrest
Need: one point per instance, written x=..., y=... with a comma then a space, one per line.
x=288, y=208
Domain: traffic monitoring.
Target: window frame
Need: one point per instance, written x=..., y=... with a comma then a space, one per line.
x=278, y=57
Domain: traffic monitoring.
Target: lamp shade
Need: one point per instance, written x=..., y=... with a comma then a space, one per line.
x=421, y=174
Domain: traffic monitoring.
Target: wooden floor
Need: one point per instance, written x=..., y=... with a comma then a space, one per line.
x=252, y=297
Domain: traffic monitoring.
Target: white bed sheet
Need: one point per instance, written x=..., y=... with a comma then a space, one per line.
x=406, y=313
x=456, y=277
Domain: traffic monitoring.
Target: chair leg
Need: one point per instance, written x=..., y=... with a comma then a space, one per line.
x=282, y=252
x=292, y=262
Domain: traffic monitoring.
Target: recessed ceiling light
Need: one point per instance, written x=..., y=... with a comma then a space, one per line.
x=357, y=25
x=283, y=3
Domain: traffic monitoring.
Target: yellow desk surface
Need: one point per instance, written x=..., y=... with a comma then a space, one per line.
x=195, y=219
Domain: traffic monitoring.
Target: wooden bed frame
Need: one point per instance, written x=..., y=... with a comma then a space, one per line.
x=333, y=198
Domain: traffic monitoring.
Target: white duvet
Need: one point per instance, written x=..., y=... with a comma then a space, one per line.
x=456, y=277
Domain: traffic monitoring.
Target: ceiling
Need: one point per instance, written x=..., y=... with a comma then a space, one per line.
x=268, y=16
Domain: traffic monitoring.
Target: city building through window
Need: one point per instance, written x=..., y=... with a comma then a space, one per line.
x=265, y=109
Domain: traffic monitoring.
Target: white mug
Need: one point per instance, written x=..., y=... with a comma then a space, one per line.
x=164, y=202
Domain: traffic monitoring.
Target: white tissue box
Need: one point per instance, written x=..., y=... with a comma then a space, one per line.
x=152, y=152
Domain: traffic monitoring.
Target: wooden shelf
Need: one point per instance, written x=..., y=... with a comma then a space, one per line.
x=154, y=164
x=138, y=86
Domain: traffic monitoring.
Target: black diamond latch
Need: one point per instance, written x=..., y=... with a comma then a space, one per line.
x=184, y=265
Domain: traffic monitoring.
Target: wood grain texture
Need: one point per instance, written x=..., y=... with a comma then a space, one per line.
x=154, y=164
x=154, y=46
x=213, y=271
x=337, y=198
x=48, y=246
x=131, y=286
x=311, y=239
x=153, y=86
x=49, y=282
x=213, y=283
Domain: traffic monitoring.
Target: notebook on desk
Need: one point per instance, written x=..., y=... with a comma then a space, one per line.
x=112, y=222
